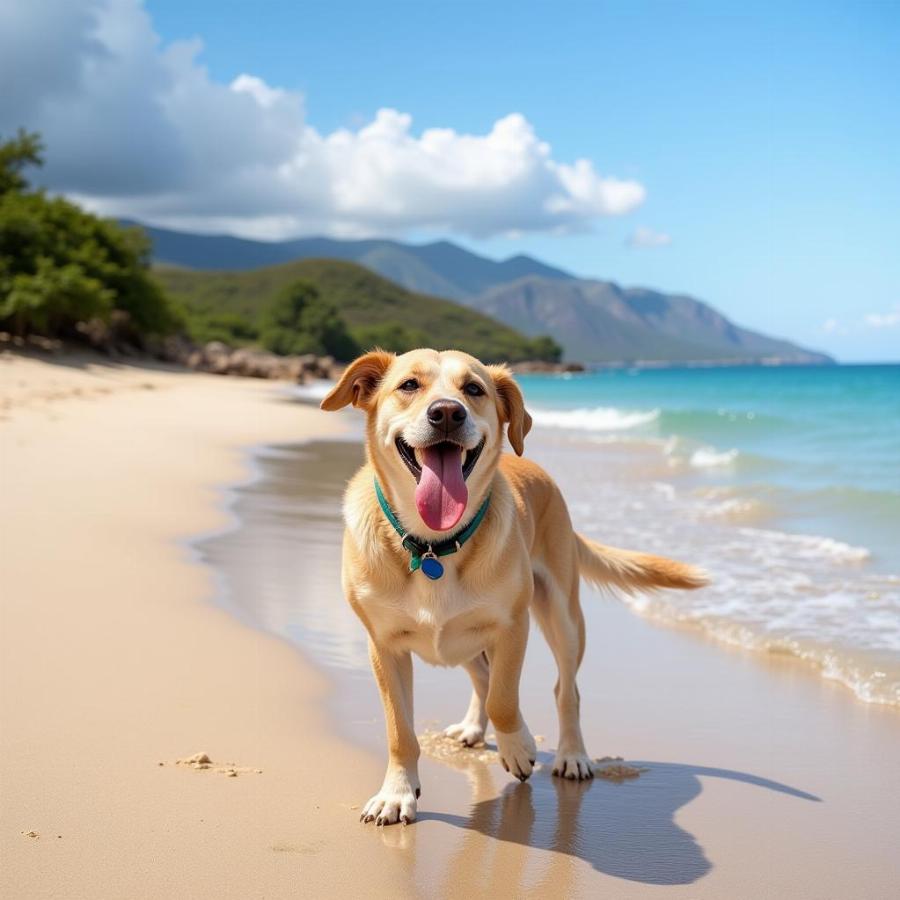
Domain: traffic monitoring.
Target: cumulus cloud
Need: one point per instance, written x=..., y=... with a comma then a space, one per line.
x=647, y=237
x=136, y=128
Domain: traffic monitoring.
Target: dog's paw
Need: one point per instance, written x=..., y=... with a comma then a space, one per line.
x=395, y=802
x=468, y=733
x=390, y=807
x=573, y=766
x=517, y=752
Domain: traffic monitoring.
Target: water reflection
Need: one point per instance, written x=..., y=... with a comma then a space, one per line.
x=623, y=829
x=279, y=569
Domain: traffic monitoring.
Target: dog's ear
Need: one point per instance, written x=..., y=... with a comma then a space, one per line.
x=359, y=381
x=511, y=407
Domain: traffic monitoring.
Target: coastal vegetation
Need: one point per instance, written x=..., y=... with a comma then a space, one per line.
x=61, y=267
x=300, y=320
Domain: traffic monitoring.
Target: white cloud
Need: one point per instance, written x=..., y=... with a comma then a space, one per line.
x=261, y=92
x=135, y=128
x=883, y=320
x=646, y=237
x=874, y=320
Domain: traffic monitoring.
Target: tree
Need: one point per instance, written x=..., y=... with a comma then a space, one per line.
x=25, y=149
x=60, y=265
x=544, y=348
x=299, y=320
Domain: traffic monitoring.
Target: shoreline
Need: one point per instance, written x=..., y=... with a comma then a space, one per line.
x=727, y=637
x=118, y=657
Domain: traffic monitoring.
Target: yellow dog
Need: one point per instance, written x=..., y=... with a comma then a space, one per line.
x=450, y=544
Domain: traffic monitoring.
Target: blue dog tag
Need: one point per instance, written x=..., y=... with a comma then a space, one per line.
x=432, y=568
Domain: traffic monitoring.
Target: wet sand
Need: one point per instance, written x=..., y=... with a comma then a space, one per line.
x=120, y=652
x=760, y=778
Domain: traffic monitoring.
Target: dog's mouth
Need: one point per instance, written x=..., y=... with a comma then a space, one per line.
x=408, y=455
x=440, y=470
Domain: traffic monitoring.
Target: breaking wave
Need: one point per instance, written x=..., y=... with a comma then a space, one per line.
x=709, y=457
x=598, y=418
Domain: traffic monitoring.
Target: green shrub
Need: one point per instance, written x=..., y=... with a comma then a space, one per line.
x=543, y=348
x=60, y=265
x=391, y=336
x=228, y=327
x=299, y=320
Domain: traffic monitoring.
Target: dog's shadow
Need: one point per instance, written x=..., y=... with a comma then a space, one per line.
x=625, y=829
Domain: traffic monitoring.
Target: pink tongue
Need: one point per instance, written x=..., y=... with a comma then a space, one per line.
x=441, y=495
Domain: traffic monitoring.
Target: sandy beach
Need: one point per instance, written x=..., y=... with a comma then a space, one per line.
x=119, y=658
x=114, y=661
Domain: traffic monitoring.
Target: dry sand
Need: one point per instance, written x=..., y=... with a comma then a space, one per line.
x=114, y=661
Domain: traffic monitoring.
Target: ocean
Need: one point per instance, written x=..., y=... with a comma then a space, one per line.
x=784, y=483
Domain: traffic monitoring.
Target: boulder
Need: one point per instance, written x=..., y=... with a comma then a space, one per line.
x=114, y=336
x=215, y=350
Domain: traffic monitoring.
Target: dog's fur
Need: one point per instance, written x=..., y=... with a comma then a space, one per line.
x=524, y=559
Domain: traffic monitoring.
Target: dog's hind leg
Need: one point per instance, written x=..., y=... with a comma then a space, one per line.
x=561, y=620
x=470, y=731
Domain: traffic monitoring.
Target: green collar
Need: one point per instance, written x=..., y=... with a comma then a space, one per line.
x=423, y=555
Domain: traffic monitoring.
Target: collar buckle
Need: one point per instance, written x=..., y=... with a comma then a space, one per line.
x=411, y=545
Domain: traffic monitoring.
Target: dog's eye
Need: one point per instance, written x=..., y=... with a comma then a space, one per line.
x=409, y=385
x=474, y=389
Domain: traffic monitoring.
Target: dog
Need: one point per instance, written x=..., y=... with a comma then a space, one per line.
x=451, y=545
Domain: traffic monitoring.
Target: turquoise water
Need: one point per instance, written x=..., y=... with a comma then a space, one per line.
x=820, y=445
x=783, y=482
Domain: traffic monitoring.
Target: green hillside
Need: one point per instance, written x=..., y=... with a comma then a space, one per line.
x=228, y=305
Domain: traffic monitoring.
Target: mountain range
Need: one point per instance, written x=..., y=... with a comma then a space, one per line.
x=594, y=321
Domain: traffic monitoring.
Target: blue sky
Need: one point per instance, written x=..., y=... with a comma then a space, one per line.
x=764, y=139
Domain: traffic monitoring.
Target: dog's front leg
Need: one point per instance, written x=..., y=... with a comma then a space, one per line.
x=514, y=741
x=396, y=801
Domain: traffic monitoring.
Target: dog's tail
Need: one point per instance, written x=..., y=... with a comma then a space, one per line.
x=634, y=572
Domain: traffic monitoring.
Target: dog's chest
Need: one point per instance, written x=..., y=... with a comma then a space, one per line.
x=442, y=621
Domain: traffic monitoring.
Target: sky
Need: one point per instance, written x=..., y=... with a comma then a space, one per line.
x=746, y=154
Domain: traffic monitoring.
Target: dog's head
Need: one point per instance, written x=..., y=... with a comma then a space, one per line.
x=434, y=428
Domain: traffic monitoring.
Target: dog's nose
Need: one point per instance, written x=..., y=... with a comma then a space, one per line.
x=446, y=414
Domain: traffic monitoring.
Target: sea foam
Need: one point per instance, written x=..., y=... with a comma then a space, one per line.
x=709, y=457
x=810, y=596
x=597, y=418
